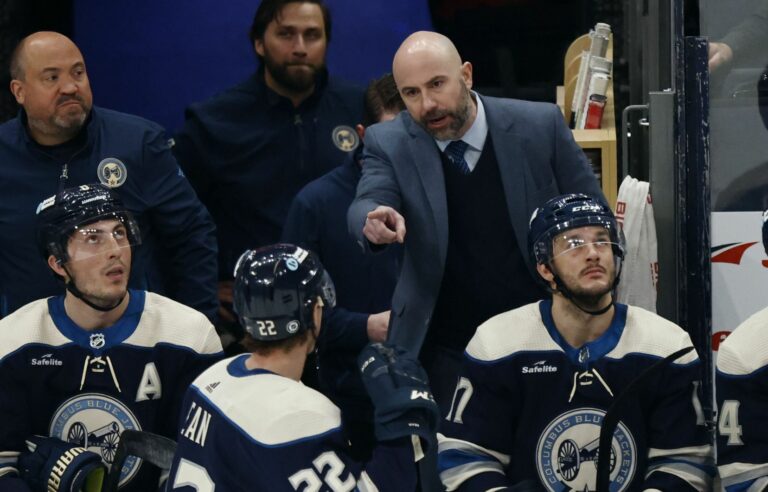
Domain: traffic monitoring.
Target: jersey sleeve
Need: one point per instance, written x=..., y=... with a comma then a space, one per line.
x=191, y=363
x=680, y=456
x=215, y=452
x=474, y=447
x=742, y=436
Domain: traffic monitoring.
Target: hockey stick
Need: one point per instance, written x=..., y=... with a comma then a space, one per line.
x=155, y=449
x=611, y=419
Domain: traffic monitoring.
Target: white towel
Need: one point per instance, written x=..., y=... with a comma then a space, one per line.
x=640, y=269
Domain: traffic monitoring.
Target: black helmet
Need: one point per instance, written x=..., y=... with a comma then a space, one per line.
x=561, y=214
x=276, y=289
x=71, y=209
x=567, y=212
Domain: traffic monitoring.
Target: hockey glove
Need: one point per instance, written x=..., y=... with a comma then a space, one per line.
x=52, y=465
x=399, y=389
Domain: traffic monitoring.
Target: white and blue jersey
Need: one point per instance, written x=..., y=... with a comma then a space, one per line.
x=529, y=407
x=253, y=430
x=86, y=387
x=742, y=400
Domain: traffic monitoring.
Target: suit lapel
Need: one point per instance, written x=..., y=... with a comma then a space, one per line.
x=426, y=158
x=512, y=162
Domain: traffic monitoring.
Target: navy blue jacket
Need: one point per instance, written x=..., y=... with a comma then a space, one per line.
x=177, y=256
x=248, y=151
x=364, y=283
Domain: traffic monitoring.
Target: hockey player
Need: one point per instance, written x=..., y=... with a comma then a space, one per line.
x=537, y=380
x=742, y=400
x=249, y=424
x=78, y=369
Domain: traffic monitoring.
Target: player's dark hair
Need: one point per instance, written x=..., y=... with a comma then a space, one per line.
x=381, y=97
x=270, y=10
x=265, y=348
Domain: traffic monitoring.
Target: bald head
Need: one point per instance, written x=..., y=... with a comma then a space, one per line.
x=34, y=44
x=435, y=84
x=427, y=47
x=48, y=79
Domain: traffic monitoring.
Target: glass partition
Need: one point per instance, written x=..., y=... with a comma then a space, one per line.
x=738, y=48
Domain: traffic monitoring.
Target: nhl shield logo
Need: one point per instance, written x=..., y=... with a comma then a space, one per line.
x=97, y=340
x=112, y=172
x=567, y=453
x=345, y=138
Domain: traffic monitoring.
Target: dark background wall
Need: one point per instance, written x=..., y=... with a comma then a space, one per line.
x=154, y=58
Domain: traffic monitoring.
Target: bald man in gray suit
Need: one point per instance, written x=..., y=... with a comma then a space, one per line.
x=456, y=178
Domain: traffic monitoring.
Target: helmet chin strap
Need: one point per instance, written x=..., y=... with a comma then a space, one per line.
x=566, y=292
x=72, y=288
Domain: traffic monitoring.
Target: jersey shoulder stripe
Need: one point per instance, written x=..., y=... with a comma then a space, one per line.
x=29, y=325
x=269, y=409
x=167, y=321
x=647, y=333
x=509, y=333
x=746, y=349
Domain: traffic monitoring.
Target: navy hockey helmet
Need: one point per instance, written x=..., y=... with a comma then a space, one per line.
x=276, y=289
x=566, y=212
x=74, y=208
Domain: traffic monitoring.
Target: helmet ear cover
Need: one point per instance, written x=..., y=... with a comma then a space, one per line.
x=276, y=290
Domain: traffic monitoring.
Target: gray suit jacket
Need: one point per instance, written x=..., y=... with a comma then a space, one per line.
x=538, y=159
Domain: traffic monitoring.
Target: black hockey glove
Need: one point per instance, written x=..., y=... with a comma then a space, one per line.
x=399, y=389
x=52, y=465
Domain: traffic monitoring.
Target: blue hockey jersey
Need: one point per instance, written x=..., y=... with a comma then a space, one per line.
x=742, y=400
x=253, y=430
x=86, y=387
x=529, y=407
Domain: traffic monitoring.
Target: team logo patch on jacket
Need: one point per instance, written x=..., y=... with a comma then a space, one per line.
x=345, y=138
x=567, y=452
x=112, y=172
x=95, y=422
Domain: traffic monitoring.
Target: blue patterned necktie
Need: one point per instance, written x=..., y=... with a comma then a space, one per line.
x=455, y=153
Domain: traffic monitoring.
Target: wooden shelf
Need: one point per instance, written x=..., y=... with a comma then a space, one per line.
x=597, y=144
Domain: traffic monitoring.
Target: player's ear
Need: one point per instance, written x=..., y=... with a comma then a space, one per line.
x=546, y=273
x=56, y=267
x=317, y=315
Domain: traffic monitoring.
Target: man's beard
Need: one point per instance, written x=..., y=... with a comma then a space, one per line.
x=67, y=124
x=589, y=298
x=459, y=117
x=292, y=80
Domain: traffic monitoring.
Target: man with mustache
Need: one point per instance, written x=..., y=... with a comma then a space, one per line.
x=455, y=179
x=79, y=368
x=249, y=150
x=537, y=381
x=60, y=139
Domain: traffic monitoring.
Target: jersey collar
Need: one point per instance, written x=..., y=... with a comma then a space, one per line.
x=590, y=351
x=98, y=341
x=238, y=369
